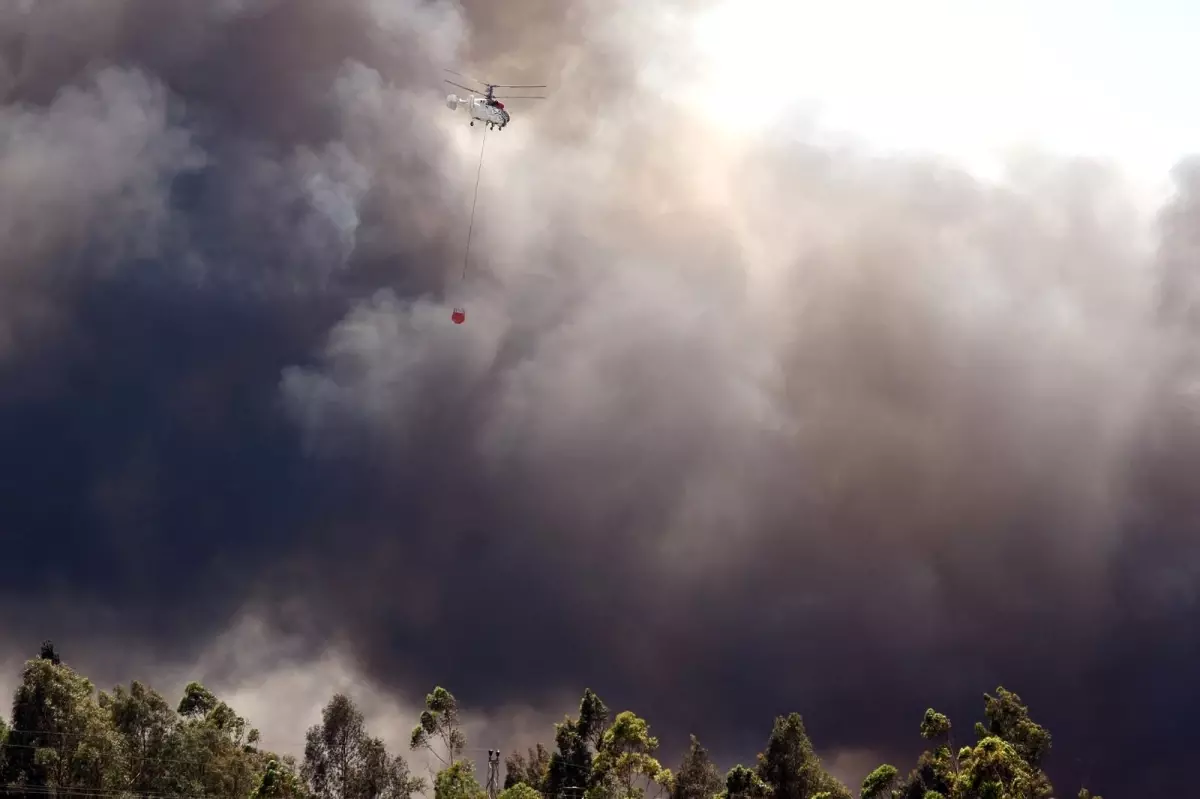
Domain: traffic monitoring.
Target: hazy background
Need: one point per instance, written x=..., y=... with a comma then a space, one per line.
x=786, y=384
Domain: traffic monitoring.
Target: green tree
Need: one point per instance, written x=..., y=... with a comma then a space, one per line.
x=791, y=766
x=48, y=652
x=70, y=739
x=1004, y=764
x=341, y=761
x=697, y=777
x=1008, y=718
x=384, y=776
x=3, y=746
x=935, y=726
x=934, y=772
x=1008, y=721
x=149, y=730
x=880, y=783
x=439, y=723
x=520, y=791
x=197, y=701
x=65, y=738
x=625, y=764
x=994, y=769
x=333, y=750
x=60, y=738
x=531, y=770
x=279, y=781
x=457, y=781
x=570, y=765
x=216, y=748
x=744, y=783
x=593, y=718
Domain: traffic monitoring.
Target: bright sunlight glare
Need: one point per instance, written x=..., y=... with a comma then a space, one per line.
x=965, y=78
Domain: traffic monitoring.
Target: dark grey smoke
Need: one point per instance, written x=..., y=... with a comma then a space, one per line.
x=734, y=427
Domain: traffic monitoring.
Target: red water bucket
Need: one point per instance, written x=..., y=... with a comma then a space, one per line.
x=459, y=316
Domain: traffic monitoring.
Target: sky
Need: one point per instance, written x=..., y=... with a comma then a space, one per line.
x=969, y=79
x=848, y=369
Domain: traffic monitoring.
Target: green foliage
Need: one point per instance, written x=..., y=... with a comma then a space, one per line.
x=593, y=718
x=570, y=766
x=1004, y=764
x=995, y=769
x=61, y=735
x=744, y=783
x=520, y=791
x=341, y=761
x=150, y=731
x=279, y=781
x=791, y=766
x=530, y=771
x=934, y=726
x=457, y=781
x=1008, y=718
x=68, y=739
x=880, y=782
x=439, y=724
x=197, y=701
x=624, y=764
x=697, y=776
x=3, y=743
x=571, y=762
x=65, y=738
x=48, y=652
x=334, y=750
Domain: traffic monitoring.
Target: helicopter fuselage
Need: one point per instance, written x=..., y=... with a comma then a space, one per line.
x=490, y=113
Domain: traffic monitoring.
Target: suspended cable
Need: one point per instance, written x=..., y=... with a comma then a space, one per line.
x=460, y=314
x=474, y=200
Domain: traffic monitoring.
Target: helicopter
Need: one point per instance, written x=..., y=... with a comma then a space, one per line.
x=485, y=106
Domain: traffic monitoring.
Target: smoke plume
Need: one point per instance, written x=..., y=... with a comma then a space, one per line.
x=736, y=425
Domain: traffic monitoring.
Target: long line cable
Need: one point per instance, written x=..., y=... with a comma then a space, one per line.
x=474, y=200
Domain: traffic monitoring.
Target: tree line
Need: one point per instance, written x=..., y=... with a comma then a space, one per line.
x=67, y=740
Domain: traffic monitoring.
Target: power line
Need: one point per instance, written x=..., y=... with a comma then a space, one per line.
x=261, y=747
x=46, y=790
x=204, y=762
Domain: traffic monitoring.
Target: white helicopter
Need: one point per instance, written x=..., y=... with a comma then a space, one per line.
x=485, y=106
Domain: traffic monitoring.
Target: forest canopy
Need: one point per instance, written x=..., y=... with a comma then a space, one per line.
x=65, y=738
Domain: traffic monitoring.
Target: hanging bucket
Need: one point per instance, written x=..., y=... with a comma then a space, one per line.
x=459, y=316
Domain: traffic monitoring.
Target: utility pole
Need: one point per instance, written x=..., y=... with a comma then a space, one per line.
x=493, y=777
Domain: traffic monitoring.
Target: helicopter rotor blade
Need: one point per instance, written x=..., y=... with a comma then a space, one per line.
x=468, y=77
x=464, y=88
x=518, y=97
x=517, y=86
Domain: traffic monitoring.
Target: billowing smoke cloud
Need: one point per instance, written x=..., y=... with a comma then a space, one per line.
x=735, y=427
